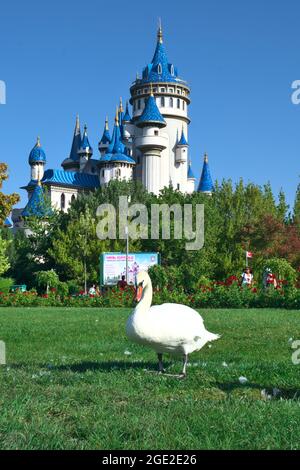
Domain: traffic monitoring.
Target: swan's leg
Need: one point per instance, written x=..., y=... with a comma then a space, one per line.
x=185, y=361
x=160, y=363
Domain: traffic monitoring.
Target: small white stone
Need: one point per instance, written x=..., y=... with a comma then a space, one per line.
x=224, y=364
x=127, y=353
x=243, y=380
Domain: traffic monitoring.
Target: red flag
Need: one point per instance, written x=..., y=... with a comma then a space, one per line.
x=249, y=254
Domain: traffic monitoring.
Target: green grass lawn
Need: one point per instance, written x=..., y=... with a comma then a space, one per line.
x=70, y=383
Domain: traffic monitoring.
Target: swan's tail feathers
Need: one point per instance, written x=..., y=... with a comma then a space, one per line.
x=212, y=337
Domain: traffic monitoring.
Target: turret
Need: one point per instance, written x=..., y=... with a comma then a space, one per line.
x=105, y=139
x=85, y=152
x=72, y=162
x=191, y=179
x=37, y=205
x=182, y=148
x=151, y=143
x=172, y=97
x=37, y=161
x=206, y=185
x=115, y=163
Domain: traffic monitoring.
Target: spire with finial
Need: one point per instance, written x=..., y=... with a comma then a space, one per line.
x=127, y=117
x=159, y=32
x=117, y=116
x=85, y=148
x=121, y=109
x=105, y=139
x=205, y=158
x=38, y=141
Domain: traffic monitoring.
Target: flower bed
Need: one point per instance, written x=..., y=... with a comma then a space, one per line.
x=216, y=295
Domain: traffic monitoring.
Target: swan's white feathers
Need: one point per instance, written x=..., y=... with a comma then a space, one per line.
x=171, y=328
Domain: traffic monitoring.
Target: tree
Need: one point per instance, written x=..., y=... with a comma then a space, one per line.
x=6, y=201
x=47, y=279
x=296, y=215
x=4, y=262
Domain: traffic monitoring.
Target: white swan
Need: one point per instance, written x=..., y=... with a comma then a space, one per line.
x=167, y=328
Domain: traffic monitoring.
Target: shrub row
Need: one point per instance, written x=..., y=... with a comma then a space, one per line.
x=218, y=296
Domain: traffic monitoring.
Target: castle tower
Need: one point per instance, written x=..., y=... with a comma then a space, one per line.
x=171, y=95
x=105, y=139
x=85, y=152
x=206, y=185
x=115, y=163
x=191, y=179
x=36, y=205
x=72, y=163
x=37, y=162
x=151, y=142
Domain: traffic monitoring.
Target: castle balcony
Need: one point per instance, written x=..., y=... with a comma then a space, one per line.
x=154, y=141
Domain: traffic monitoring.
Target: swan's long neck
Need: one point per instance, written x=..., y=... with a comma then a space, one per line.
x=146, y=300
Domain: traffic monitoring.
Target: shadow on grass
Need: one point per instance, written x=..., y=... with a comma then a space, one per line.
x=99, y=366
x=273, y=393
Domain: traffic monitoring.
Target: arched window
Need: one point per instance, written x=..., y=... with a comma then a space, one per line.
x=183, y=105
x=162, y=101
x=159, y=69
x=171, y=102
x=118, y=173
x=172, y=70
x=178, y=103
x=73, y=197
x=139, y=104
x=102, y=173
x=62, y=201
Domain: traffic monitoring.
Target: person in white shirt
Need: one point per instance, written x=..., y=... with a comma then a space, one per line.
x=92, y=291
x=247, y=278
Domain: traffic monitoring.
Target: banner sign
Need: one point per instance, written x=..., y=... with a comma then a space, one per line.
x=113, y=266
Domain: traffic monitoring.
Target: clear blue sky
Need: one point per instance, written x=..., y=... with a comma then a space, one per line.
x=65, y=57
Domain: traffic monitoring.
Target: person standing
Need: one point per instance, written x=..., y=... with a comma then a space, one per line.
x=247, y=277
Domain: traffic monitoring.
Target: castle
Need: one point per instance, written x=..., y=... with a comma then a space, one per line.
x=151, y=145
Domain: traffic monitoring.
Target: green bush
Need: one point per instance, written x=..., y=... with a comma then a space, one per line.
x=5, y=284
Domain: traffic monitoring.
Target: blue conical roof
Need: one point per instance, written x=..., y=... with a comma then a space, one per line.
x=8, y=223
x=151, y=114
x=76, y=141
x=105, y=139
x=205, y=184
x=37, y=154
x=116, y=151
x=160, y=70
x=126, y=117
x=85, y=144
x=183, y=140
x=36, y=205
x=190, y=173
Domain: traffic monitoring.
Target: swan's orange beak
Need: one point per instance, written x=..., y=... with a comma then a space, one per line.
x=138, y=293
